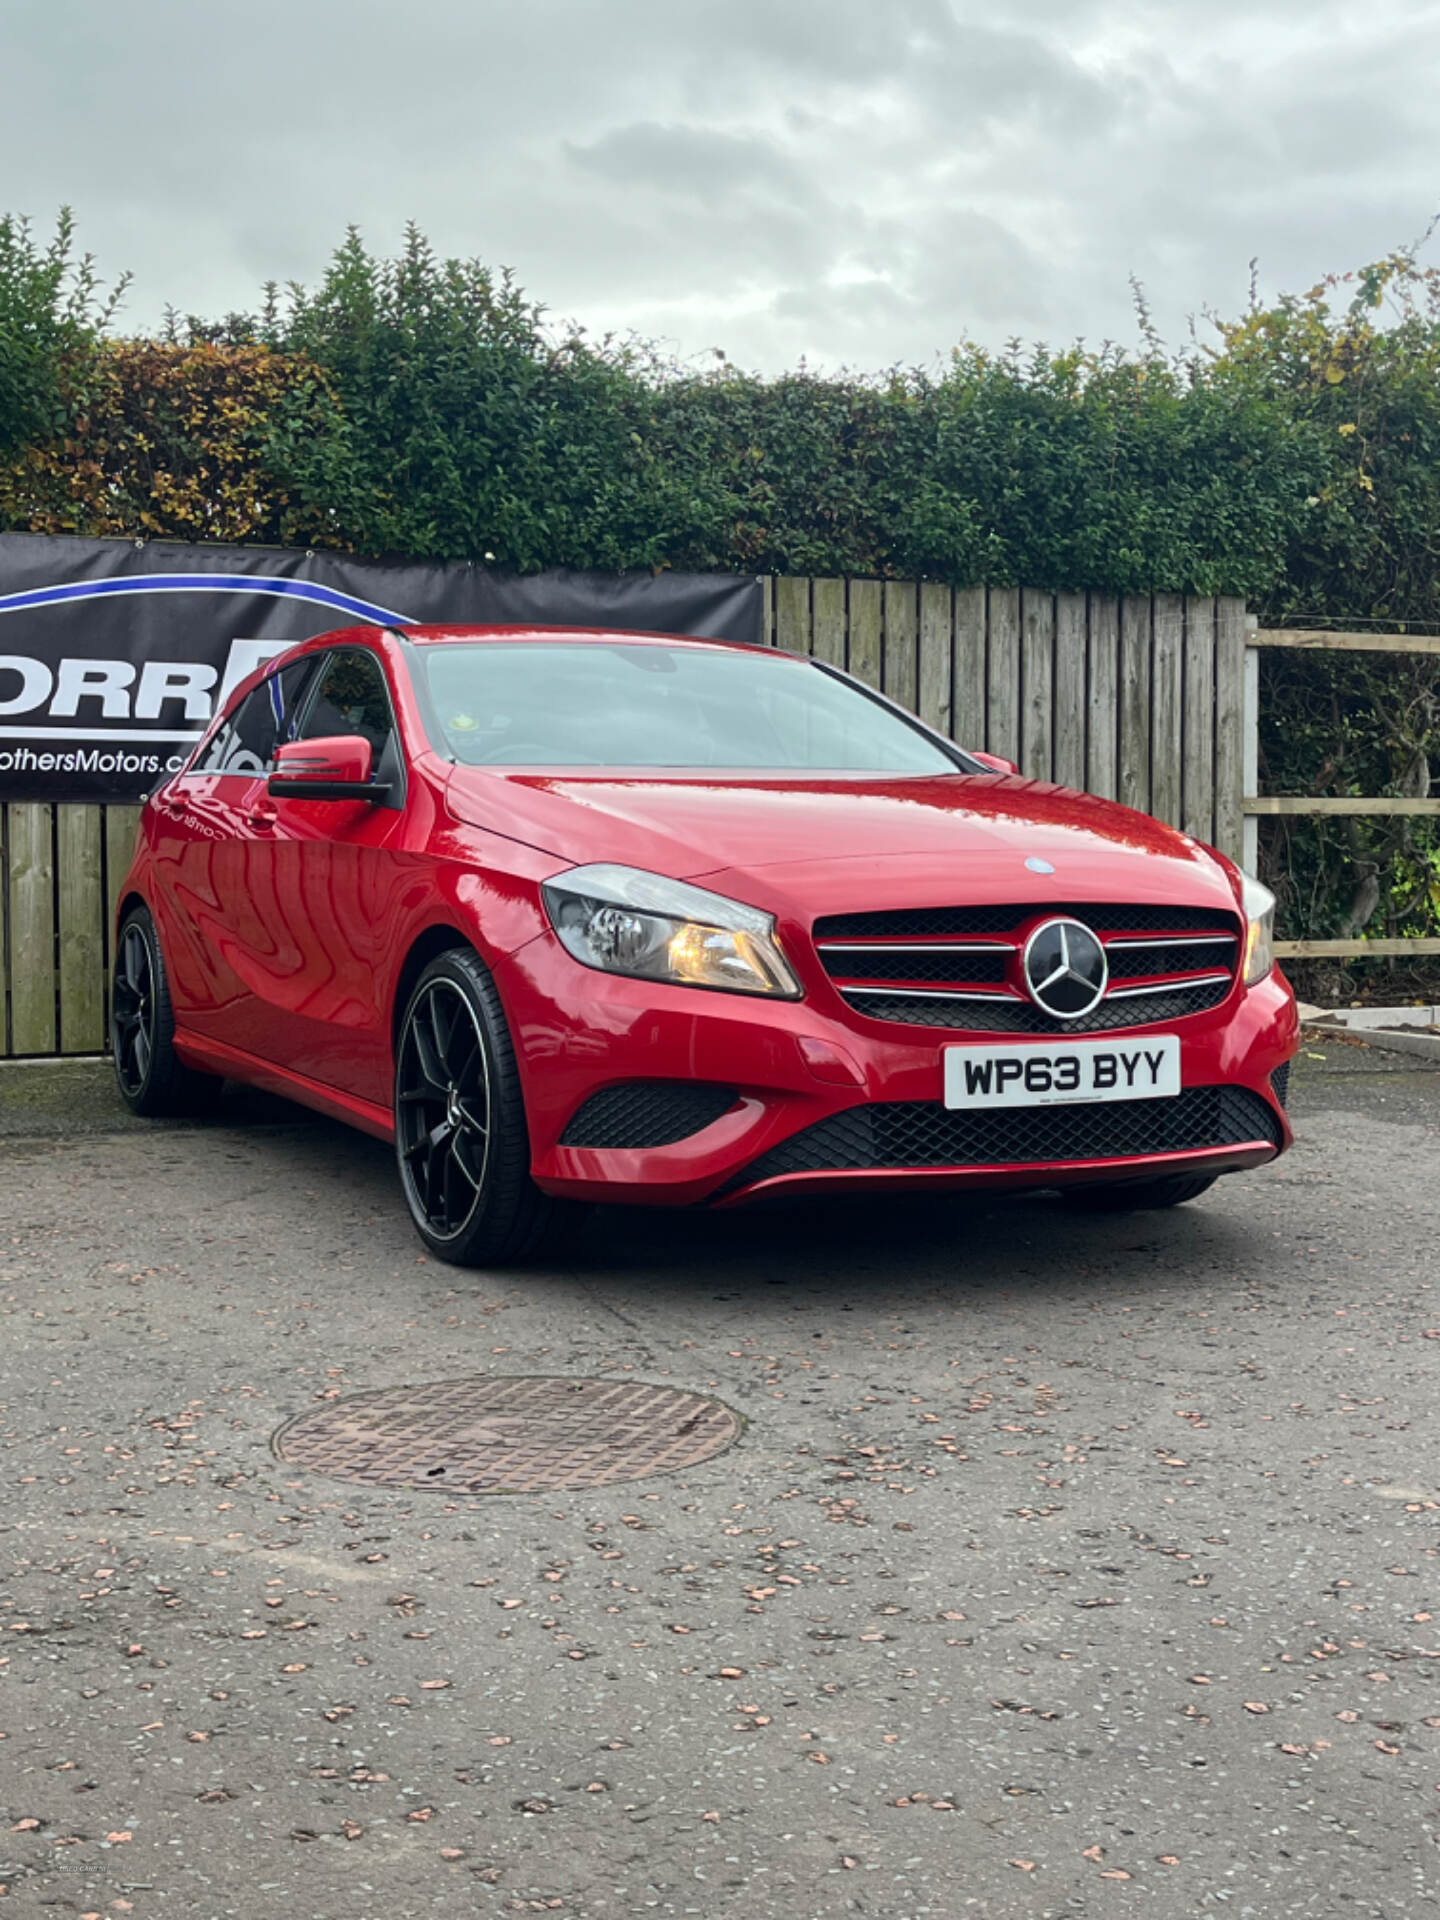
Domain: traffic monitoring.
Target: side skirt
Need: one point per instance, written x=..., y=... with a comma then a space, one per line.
x=232, y=1063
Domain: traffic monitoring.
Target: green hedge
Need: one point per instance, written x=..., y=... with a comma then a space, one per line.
x=422, y=407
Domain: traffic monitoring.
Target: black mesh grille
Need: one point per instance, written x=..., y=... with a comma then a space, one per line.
x=920, y=964
x=1134, y=963
x=921, y=1133
x=919, y=922
x=1280, y=1082
x=646, y=1113
x=1023, y=1016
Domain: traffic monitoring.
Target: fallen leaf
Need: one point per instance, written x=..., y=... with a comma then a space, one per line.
x=1093, y=1853
x=119, y=1839
x=1114, y=1873
x=452, y=1853
x=25, y=1826
x=1025, y=1866
x=421, y=1813
x=433, y=1686
x=1256, y=1706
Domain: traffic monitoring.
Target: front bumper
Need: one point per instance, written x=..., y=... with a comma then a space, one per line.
x=796, y=1070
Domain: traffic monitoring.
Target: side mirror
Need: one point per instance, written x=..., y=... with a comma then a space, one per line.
x=334, y=768
x=993, y=760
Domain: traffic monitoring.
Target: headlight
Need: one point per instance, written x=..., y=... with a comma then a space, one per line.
x=623, y=920
x=1259, y=905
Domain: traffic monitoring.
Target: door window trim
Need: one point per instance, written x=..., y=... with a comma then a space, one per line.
x=394, y=801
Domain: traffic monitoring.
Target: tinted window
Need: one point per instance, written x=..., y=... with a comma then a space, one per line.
x=247, y=741
x=647, y=705
x=351, y=698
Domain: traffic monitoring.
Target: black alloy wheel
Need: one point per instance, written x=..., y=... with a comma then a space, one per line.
x=1139, y=1196
x=133, y=1020
x=460, y=1136
x=443, y=1105
x=150, y=1077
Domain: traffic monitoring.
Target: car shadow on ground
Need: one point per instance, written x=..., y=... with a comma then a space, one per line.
x=870, y=1244
x=891, y=1243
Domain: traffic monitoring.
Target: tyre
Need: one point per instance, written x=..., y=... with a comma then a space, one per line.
x=1173, y=1191
x=151, y=1079
x=461, y=1140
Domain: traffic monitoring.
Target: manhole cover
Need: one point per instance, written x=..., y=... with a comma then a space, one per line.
x=509, y=1435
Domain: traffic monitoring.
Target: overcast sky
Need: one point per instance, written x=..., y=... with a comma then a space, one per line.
x=856, y=181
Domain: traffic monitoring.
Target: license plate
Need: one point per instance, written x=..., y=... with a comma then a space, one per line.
x=1071, y=1073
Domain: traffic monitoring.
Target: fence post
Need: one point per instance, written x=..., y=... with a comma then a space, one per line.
x=1250, y=781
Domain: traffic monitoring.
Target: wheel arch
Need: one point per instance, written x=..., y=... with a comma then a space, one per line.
x=132, y=897
x=427, y=946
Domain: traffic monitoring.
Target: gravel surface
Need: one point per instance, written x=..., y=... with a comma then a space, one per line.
x=1064, y=1566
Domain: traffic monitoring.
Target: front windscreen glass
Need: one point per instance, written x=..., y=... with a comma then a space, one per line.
x=642, y=704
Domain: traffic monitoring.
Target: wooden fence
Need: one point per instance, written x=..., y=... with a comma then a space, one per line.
x=1140, y=700
x=1258, y=806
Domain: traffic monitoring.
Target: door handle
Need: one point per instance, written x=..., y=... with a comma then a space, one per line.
x=262, y=816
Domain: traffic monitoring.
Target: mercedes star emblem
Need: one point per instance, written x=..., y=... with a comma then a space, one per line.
x=1065, y=969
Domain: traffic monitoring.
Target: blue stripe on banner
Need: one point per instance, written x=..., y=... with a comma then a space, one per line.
x=207, y=583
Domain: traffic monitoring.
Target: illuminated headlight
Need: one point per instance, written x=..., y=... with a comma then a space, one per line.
x=623, y=920
x=1259, y=905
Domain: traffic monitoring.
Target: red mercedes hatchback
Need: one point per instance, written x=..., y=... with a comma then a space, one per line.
x=599, y=916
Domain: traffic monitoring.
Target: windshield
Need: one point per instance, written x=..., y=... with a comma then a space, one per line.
x=553, y=704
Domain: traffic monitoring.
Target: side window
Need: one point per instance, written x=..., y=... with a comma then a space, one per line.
x=266, y=716
x=351, y=698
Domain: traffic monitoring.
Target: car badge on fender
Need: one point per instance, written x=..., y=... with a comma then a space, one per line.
x=1065, y=969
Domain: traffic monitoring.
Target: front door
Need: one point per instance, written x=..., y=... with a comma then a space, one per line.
x=320, y=879
x=204, y=861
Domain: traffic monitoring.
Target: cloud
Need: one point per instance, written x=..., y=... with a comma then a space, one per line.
x=830, y=178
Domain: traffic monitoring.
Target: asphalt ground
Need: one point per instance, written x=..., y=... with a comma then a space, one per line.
x=1065, y=1565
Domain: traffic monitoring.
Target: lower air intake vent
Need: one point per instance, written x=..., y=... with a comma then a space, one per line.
x=920, y=1133
x=1280, y=1082
x=646, y=1113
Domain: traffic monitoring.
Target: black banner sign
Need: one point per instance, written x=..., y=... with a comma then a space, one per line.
x=114, y=654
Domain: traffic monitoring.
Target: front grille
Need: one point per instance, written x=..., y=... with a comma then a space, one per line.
x=921, y=1133
x=923, y=923
x=646, y=1113
x=970, y=1015
x=962, y=965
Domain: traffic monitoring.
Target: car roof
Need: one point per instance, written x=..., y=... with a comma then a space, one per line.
x=597, y=636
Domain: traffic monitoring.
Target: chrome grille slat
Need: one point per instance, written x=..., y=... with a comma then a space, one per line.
x=1172, y=940
x=927, y=993
x=921, y=946
x=1168, y=986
